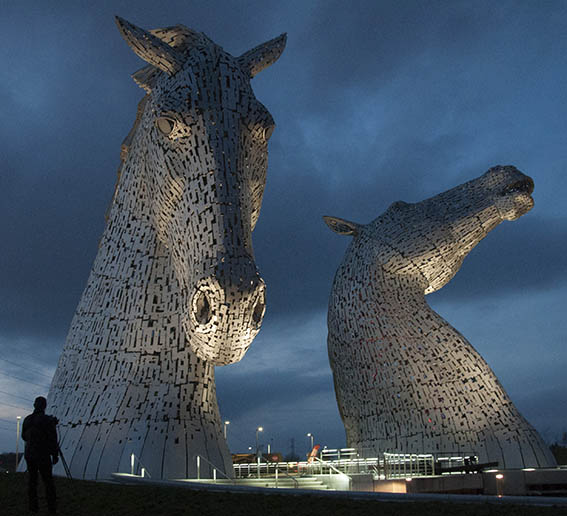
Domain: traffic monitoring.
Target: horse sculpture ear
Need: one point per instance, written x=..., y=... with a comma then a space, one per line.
x=150, y=48
x=263, y=55
x=342, y=226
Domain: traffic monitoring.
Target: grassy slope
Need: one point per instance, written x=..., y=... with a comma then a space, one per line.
x=81, y=498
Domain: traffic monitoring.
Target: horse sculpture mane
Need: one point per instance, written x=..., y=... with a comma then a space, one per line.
x=174, y=289
x=406, y=381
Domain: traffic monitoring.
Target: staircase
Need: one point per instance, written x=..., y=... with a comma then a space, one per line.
x=283, y=482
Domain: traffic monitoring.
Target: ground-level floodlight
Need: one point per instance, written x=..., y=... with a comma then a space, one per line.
x=499, y=478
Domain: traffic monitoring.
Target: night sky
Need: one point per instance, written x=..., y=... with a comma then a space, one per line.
x=374, y=101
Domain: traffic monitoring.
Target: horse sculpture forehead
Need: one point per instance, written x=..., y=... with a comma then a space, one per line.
x=178, y=48
x=503, y=187
x=209, y=79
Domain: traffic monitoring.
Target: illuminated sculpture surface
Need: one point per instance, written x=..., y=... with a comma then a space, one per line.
x=174, y=289
x=406, y=381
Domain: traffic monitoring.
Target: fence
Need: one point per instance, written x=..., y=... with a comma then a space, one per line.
x=349, y=462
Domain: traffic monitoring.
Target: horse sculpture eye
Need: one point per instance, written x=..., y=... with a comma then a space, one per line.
x=165, y=125
x=268, y=132
x=258, y=312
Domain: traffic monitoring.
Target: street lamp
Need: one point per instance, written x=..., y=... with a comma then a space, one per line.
x=310, y=435
x=226, y=423
x=17, y=439
x=258, y=430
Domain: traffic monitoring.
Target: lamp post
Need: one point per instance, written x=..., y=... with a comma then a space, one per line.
x=310, y=435
x=226, y=423
x=258, y=430
x=18, y=418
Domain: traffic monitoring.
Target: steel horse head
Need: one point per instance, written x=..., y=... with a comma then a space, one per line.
x=174, y=290
x=201, y=149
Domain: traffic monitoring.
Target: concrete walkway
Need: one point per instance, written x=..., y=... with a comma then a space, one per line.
x=547, y=501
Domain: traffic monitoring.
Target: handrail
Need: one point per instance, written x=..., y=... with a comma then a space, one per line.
x=143, y=471
x=295, y=481
x=215, y=468
x=268, y=464
x=331, y=466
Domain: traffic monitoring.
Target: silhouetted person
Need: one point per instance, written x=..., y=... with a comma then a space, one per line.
x=40, y=434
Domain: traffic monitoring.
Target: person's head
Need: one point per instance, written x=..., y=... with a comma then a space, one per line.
x=40, y=403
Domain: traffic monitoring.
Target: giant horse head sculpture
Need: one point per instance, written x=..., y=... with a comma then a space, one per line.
x=406, y=381
x=202, y=143
x=174, y=290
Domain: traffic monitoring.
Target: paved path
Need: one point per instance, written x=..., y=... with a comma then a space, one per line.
x=351, y=495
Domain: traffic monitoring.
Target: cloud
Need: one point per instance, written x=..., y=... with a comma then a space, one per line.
x=26, y=369
x=519, y=259
x=522, y=339
x=283, y=384
x=376, y=103
x=373, y=105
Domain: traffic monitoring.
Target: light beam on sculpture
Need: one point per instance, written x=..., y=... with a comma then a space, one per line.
x=405, y=379
x=174, y=289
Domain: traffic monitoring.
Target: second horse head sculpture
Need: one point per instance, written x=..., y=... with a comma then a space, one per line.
x=406, y=381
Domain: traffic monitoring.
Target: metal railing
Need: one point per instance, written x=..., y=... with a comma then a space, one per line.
x=266, y=468
x=349, y=462
x=328, y=465
x=215, y=469
x=317, y=466
x=408, y=465
x=295, y=481
x=143, y=470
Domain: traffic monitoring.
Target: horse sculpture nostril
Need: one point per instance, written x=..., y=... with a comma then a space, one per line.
x=258, y=313
x=202, y=308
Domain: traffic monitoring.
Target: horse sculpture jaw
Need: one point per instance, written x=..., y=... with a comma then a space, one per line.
x=516, y=200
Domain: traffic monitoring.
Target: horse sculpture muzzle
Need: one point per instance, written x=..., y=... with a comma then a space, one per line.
x=225, y=310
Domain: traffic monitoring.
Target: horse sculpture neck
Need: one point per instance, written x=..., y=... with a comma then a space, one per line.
x=139, y=386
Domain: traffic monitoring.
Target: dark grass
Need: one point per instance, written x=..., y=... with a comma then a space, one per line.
x=83, y=498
